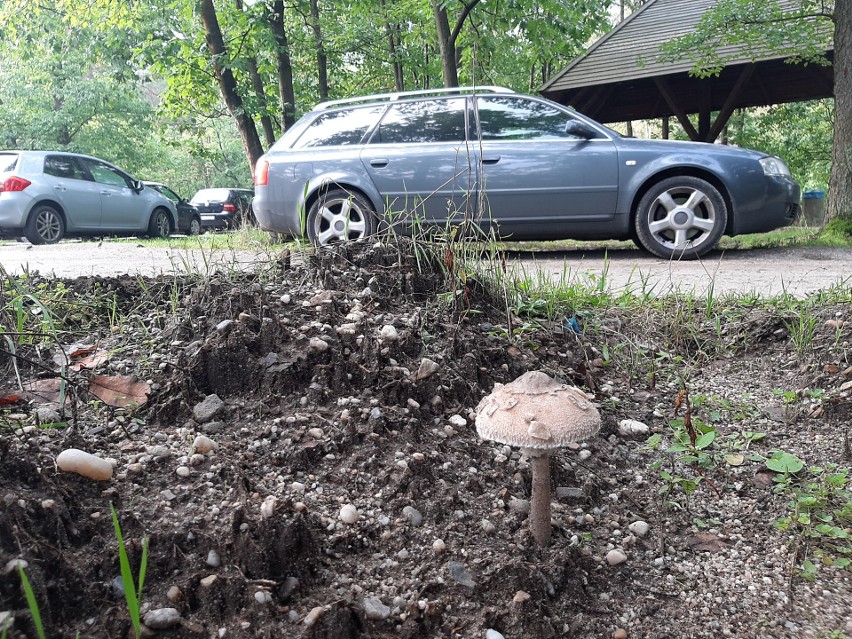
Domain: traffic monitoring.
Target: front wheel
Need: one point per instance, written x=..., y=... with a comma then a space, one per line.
x=44, y=225
x=195, y=226
x=159, y=226
x=340, y=216
x=681, y=218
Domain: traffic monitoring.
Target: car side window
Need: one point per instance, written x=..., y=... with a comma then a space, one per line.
x=502, y=118
x=339, y=128
x=64, y=166
x=174, y=197
x=426, y=121
x=104, y=174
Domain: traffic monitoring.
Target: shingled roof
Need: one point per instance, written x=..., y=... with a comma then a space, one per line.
x=622, y=77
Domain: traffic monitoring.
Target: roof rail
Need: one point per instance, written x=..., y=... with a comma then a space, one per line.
x=390, y=97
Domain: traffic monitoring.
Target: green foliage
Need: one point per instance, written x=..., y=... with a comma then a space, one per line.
x=132, y=591
x=820, y=515
x=32, y=604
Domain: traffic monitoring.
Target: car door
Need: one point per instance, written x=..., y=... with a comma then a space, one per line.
x=121, y=207
x=74, y=189
x=420, y=161
x=536, y=175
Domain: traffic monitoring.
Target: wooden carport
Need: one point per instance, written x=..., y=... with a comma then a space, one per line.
x=621, y=77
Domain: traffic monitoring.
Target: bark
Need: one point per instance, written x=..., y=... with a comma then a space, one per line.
x=285, y=67
x=840, y=182
x=447, y=39
x=259, y=94
x=322, y=58
x=228, y=84
x=540, y=501
x=393, y=36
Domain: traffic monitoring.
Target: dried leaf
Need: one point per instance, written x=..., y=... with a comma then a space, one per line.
x=119, y=390
x=69, y=352
x=91, y=362
x=43, y=391
x=705, y=541
x=7, y=399
x=734, y=459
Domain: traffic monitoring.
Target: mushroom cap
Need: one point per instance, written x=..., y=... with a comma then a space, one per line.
x=538, y=412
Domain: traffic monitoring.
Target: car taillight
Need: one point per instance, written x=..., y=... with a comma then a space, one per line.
x=14, y=184
x=261, y=173
x=230, y=208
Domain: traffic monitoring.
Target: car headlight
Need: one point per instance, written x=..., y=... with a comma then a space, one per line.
x=774, y=166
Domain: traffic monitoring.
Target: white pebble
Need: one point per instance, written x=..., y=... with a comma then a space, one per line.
x=639, y=528
x=182, y=471
x=267, y=508
x=632, y=427
x=615, y=557
x=82, y=463
x=389, y=333
x=438, y=546
x=203, y=444
x=213, y=559
x=349, y=514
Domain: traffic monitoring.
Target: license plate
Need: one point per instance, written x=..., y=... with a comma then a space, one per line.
x=208, y=217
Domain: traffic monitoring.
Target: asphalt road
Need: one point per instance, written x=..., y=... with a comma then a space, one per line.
x=797, y=271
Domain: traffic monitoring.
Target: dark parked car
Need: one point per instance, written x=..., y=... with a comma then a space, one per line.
x=46, y=195
x=523, y=166
x=189, y=219
x=223, y=208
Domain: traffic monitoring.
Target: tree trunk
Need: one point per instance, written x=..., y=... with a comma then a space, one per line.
x=227, y=84
x=840, y=182
x=447, y=45
x=259, y=93
x=392, y=32
x=322, y=58
x=285, y=68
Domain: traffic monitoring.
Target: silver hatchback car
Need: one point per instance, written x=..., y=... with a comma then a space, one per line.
x=522, y=166
x=46, y=195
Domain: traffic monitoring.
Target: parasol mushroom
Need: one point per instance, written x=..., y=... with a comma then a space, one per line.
x=540, y=415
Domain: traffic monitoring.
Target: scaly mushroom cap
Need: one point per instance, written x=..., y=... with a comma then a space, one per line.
x=536, y=411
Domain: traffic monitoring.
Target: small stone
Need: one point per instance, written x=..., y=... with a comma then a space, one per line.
x=47, y=504
x=313, y=616
x=209, y=581
x=206, y=410
x=375, y=610
x=182, y=471
x=349, y=514
x=639, y=528
x=203, y=444
x=412, y=515
x=388, y=333
x=85, y=464
x=47, y=415
x=267, y=508
x=213, y=559
x=615, y=557
x=521, y=597
x=458, y=421
x=487, y=527
x=632, y=428
x=427, y=369
x=620, y=633
x=460, y=575
x=316, y=433
x=262, y=597
x=493, y=634
x=161, y=618
x=317, y=345
x=173, y=594
x=438, y=546
x=225, y=326
x=519, y=506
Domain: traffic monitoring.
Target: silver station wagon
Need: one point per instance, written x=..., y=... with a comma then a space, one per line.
x=522, y=166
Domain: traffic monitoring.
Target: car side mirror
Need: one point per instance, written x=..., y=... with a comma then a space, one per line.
x=579, y=129
x=137, y=186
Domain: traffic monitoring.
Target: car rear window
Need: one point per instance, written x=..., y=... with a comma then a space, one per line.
x=8, y=162
x=210, y=195
x=339, y=128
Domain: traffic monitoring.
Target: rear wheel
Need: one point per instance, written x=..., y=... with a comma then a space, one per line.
x=44, y=225
x=681, y=218
x=159, y=226
x=340, y=216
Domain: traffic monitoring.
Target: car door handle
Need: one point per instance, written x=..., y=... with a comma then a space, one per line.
x=379, y=162
x=59, y=187
x=492, y=160
x=107, y=193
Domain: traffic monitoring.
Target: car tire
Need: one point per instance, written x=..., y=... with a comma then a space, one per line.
x=45, y=225
x=340, y=216
x=160, y=225
x=195, y=226
x=681, y=218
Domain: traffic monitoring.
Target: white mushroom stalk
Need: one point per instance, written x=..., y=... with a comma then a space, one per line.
x=540, y=415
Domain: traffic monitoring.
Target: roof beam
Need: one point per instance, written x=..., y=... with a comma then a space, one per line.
x=676, y=109
x=730, y=103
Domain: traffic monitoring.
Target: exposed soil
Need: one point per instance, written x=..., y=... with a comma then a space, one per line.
x=324, y=407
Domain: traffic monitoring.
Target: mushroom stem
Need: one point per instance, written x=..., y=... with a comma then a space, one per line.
x=540, y=503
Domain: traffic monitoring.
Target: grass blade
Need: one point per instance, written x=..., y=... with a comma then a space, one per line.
x=32, y=604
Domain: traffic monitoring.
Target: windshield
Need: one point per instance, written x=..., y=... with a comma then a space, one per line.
x=210, y=195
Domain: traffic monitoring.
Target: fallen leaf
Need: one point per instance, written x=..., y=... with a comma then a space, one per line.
x=10, y=398
x=734, y=459
x=91, y=362
x=43, y=391
x=831, y=368
x=764, y=479
x=68, y=352
x=705, y=541
x=119, y=390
